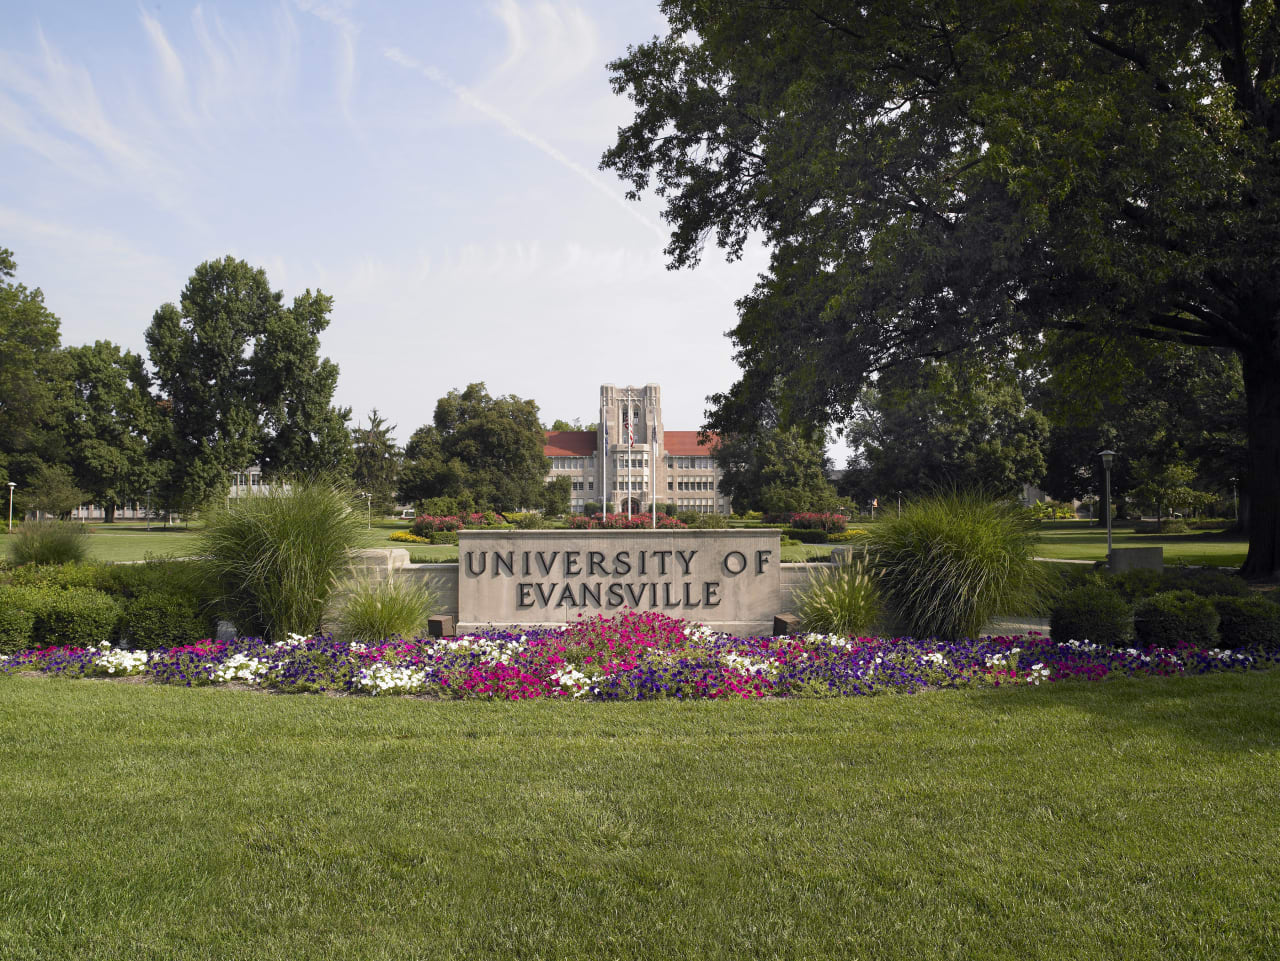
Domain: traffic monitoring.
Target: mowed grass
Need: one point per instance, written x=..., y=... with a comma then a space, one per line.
x=1205, y=548
x=1128, y=819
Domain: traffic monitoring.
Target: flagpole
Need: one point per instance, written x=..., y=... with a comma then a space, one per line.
x=604, y=466
x=631, y=447
x=653, y=470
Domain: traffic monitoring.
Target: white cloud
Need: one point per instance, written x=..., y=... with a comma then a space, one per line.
x=175, y=75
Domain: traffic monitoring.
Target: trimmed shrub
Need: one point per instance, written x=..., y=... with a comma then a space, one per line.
x=375, y=611
x=955, y=560
x=189, y=578
x=276, y=558
x=1137, y=584
x=48, y=542
x=17, y=625
x=98, y=577
x=1206, y=582
x=1173, y=618
x=710, y=522
x=1170, y=525
x=846, y=537
x=163, y=620
x=445, y=537
x=840, y=598
x=404, y=537
x=806, y=535
x=1091, y=612
x=75, y=617
x=822, y=521
x=1248, y=622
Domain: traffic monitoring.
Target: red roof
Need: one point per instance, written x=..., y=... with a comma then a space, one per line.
x=570, y=443
x=685, y=443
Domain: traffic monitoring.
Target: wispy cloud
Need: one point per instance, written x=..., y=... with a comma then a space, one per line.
x=175, y=75
x=337, y=16
x=516, y=129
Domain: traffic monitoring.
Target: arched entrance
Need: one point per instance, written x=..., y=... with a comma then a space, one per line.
x=631, y=505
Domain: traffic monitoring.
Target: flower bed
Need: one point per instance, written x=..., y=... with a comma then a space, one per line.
x=633, y=656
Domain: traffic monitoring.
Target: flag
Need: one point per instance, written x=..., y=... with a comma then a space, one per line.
x=875, y=502
x=631, y=434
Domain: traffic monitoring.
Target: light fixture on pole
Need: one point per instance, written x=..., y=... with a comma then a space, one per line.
x=12, y=485
x=1107, y=457
x=368, y=501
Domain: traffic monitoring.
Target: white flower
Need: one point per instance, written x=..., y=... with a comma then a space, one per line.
x=122, y=662
x=387, y=678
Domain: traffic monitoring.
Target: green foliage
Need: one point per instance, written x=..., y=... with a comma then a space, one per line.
x=109, y=422
x=245, y=382
x=376, y=461
x=779, y=470
x=59, y=576
x=376, y=610
x=54, y=491
x=556, y=497
x=17, y=624
x=932, y=422
x=1175, y=617
x=444, y=537
x=487, y=449
x=1137, y=584
x=805, y=535
x=163, y=619
x=710, y=522
x=1248, y=622
x=1091, y=612
x=48, y=542
x=840, y=598
x=73, y=617
x=276, y=558
x=955, y=560
x=33, y=380
x=928, y=178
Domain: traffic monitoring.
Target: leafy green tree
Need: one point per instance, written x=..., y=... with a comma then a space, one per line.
x=54, y=491
x=109, y=423
x=33, y=379
x=1168, y=487
x=244, y=382
x=377, y=461
x=930, y=423
x=556, y=497
x=488, y=447
x=930, y=176
x=776, y=469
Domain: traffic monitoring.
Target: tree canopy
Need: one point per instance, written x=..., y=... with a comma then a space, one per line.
x=774, y=469
x=487, y=447
x=928, y=177
x=244, y=381
x=928, y=424
x=376, y=461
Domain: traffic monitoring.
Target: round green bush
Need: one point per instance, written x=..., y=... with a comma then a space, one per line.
x=76, y=617
x=1175, y=617
x=163, y=620
x=1137, y=584
x=444, y=537
x=1091, y=612
x=17, y=625
x=99, y=577
x=1206, y=582
x=1248, y=622
x=954, y=561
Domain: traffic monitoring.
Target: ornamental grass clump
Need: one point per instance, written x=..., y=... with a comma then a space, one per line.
x=277, y=558
x=377, y=610
x=48, y=542
x=840, y=598
x=955, y=560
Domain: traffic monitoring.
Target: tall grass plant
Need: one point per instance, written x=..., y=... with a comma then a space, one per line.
x=954, y=561
x=48, y=542
x=376, y=610
x=277, y=558
x=841, y=598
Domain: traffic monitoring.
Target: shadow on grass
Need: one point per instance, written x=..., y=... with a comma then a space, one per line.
x=1227, y=712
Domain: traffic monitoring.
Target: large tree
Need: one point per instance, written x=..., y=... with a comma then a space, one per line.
x=111, y=420
x=931, y=423
x=376, y=461
x=929, y=176
x=487, y=447
x=33, y=379
x=774, y=469
x=242, y=375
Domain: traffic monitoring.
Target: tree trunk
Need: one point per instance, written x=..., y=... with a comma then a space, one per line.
x=1262, y=478
x=108, y=513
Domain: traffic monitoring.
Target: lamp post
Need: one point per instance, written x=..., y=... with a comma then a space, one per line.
x=899, y=503
x=150, y=491
x=1107, y=457
x=12, y=485
x=368, y=503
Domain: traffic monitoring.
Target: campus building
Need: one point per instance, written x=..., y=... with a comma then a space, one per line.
x=674, y=464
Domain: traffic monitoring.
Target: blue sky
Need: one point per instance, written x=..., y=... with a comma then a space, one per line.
x=433, y=166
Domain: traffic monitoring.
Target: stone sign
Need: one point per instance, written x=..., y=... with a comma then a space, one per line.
x=727, y=579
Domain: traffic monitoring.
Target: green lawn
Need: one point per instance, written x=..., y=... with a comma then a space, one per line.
x=1129, y=819
x=1078, y=542
x=133, y=542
